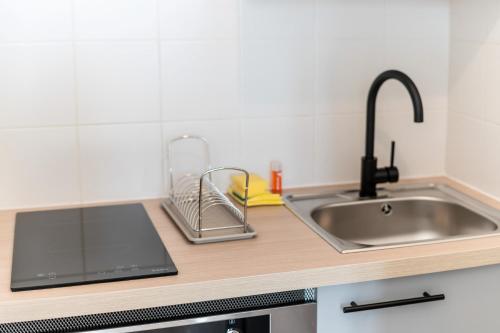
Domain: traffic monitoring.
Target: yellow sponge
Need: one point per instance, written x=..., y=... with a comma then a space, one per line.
x=265, y=199
x=256, y=184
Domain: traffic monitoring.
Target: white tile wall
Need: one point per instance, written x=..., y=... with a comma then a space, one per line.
x=466, y=75
x=115, y=19
x=120, y=162
x=410, y=56
x=344, y=75
x=339, y=145
x=39, y=167
x=360, y=19
x=35, y=20
x=489, y=160
x=474, y=118
x=199, y=80
x=274, y=83
x=37, y=85
x=118, y=82
x=491, y=53
x=289, y=140
x=418, y=152
x=199, y=19
x=465, y=149
x=99, y=86
x=475, y=20
x=423, y=19
x=277, y=19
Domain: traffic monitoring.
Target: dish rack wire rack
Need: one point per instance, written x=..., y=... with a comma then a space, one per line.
x=198, y=207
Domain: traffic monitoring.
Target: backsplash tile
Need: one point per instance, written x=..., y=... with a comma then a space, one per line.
x=475, y=20
x=491, y=79
x=37, y=85
x=39, y=167
x=418, y=19
x=116, y=19
x=261, y=79
x=35, y=20
x=277, y=19
x=466, y=75
x=344, y=76
x=432, y=79
x=489, y=160
x=199, y=19
x=464, y=156
x=339, y=145
x=349, y=19
x=474, y=117
x=199, y=80
x=120, y=162
x=118, y=82
x=420, y=148
x=277, y=78
x=289, y=140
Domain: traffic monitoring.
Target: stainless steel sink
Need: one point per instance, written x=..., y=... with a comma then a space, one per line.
x=398, y=217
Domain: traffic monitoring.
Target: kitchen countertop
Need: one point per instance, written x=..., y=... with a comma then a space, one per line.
x=286, y=255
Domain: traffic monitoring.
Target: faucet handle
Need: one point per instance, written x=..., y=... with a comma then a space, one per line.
x=393, y=152
x=388, y=174
x=392, y=171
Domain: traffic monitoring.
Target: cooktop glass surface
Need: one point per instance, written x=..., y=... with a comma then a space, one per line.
x=86, y=245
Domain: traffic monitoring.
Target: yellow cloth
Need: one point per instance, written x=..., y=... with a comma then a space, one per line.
x=256, y=185
x=264, y=199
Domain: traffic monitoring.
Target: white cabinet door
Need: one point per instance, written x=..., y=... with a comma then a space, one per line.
x=472, y=304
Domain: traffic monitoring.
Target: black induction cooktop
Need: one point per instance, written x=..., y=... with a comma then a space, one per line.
x=86, y=245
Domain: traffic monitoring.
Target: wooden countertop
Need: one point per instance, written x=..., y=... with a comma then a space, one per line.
x=286, y=255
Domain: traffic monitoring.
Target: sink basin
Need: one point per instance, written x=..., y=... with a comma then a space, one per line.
x=398, y=217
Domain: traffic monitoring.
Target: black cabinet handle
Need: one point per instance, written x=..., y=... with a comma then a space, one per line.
x=381, y=305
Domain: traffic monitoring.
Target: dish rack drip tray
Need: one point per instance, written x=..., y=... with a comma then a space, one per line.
x=201, y=211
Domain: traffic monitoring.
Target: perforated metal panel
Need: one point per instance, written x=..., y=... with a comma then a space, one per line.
x=165, y=313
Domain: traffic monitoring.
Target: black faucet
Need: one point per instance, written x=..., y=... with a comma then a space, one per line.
x=370, y=174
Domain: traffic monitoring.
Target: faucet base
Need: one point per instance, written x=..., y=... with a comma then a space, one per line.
x=371, y=176
x=368, y=178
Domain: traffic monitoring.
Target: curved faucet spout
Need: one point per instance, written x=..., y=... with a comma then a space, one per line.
x=418, y=109
x=370, y=174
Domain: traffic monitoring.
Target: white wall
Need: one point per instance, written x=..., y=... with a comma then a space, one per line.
x=473, y=153
x=90, y=90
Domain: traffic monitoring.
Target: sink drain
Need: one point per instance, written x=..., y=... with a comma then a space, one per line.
x=386, y=209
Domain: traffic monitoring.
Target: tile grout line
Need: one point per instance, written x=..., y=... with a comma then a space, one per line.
x=385, y=38
x=214, y=39
x=160, y=101
x=240, y=84
x=316, y=94
x=109, y=40
x=447, y=148
x=320, y=115
x=77, y=106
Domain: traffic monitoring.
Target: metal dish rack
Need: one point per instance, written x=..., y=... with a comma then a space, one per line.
x=200, y=210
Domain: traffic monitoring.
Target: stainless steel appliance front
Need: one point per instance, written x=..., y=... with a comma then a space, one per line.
x=288, y=319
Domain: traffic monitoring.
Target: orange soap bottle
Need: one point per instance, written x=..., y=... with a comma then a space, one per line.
x=276, y=177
